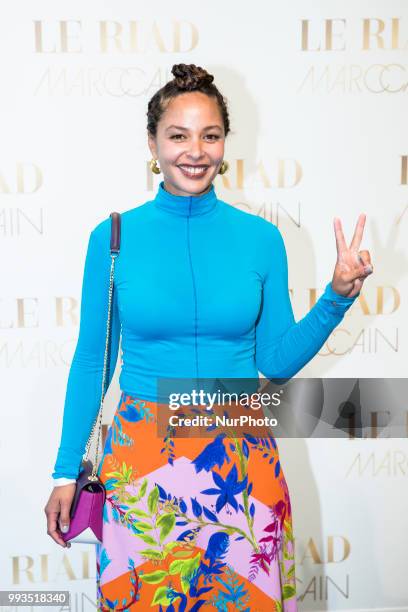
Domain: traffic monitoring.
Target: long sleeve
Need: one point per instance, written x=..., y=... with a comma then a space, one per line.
x=284, y=346
x=84, y=384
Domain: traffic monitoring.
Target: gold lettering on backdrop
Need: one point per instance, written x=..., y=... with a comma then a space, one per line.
x=67, y=571
x=376, y=78
x=328, y=343
x=372, y=343
x=24, y=575
x=44, y=568
x=133, y=36
x=362, y=302
x=177, y=37
x=318, y=588
x=24, y=314
x=68, y=31
x=380, y=299
x=282, y=181
x=240, y=173
x=392, y=463
x=329, y=34
x=104, y=36
x=13, y=220
x=311, y=552
x=157, y=38
x=65, y=37
x=18, y=572
x=367, y=33
x=66, y=307
x=260, y=168
x=367, y=340
x=4, y=186
x=281, y=173
x=86, y=561
x=373, y=30
x=112, y=31
x=20, y=185
x=330, y=549
x=376, y=34
x=22, y=179
x=140, y=39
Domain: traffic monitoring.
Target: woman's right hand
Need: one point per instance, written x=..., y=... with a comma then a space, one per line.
x=57, y=511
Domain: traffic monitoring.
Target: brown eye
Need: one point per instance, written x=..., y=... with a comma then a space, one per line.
x=213, y=136
x=176, y=136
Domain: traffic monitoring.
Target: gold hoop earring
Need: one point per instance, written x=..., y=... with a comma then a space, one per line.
x=224, y=167
x=154, y=167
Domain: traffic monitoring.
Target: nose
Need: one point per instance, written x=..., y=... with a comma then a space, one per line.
x=196, y=149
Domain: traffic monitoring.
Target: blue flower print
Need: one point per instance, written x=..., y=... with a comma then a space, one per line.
x=217, y=547
x=228, y=488
x=213, y=454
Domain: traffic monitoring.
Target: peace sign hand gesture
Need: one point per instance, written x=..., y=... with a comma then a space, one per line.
x=352, y=266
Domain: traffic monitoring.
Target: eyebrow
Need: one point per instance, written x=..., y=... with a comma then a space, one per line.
x=180, y=127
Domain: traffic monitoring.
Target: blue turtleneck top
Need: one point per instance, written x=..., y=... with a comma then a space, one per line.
x=201, y=290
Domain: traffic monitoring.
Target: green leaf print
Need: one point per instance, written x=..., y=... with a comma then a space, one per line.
x=166, y=523
x=123, y=477
x=160, y=597
x=146, y=538
x=176, y=566
x=170, y=545
x=153, y=499
x=182, y=553
x=153, y=577
x=143, y=526
x=288, y=591
x=149, y=553
x=139, y=512
x=187, y=571
x=142, y=490
x=291, y=572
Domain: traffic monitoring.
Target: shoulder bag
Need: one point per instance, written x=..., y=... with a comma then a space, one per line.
x=86, y=512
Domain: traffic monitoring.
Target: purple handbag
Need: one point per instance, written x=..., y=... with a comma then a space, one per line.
x=86, y=512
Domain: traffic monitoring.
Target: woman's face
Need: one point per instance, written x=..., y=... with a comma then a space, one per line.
x=189, y=143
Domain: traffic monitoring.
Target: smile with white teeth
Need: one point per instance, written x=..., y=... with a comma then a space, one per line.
x=193, y=170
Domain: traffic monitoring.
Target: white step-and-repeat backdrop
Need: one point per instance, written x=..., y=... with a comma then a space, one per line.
x=317, y=93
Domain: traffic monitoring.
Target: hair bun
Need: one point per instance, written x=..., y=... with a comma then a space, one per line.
x=190, y=76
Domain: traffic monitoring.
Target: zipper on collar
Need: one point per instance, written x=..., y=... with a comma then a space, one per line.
x=194, y=288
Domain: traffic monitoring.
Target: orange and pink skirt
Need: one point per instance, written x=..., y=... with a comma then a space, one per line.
x=192, y=523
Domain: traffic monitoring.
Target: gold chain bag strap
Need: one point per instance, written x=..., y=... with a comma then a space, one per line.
x=114, y=248
x=86, y=513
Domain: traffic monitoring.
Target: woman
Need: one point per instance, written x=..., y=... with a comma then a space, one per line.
x=201, y=290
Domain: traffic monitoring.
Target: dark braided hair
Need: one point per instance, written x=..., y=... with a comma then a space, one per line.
x=187, y=77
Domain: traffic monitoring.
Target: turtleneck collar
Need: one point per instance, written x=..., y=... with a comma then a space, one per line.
x=185, y=206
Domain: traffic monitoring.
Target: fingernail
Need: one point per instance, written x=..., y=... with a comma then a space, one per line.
x=64, y=528
x=368, y=269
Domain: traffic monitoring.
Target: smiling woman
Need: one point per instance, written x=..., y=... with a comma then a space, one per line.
x=187, y=125
x=192, y=522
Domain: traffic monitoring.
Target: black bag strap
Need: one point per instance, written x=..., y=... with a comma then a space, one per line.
x=115, y=232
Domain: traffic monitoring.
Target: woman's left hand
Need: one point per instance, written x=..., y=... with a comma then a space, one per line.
x=352, y=266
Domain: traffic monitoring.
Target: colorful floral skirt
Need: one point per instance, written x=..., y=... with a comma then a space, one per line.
x=192, y=523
